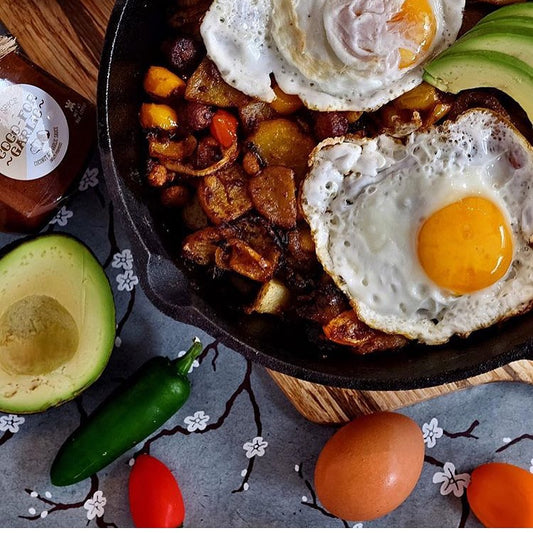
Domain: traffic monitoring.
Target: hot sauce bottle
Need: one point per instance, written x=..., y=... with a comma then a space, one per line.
x=46, y=134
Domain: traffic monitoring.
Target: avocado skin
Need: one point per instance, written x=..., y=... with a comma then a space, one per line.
x=61, y=267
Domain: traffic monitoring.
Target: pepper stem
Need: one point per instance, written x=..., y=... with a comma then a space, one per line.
x=183, y=364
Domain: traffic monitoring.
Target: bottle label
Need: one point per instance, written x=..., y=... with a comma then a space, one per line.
x=34, y=132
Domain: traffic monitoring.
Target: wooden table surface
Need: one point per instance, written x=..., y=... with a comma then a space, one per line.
x=65, y=37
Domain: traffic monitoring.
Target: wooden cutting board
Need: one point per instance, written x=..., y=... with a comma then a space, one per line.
x=65, y=38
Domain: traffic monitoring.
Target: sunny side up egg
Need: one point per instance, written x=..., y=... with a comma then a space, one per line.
x=336, y=55
x=429, y=238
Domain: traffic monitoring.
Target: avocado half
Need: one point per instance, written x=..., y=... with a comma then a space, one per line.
x=57, y=323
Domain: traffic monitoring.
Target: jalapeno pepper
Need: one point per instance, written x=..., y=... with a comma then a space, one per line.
x=134, y=411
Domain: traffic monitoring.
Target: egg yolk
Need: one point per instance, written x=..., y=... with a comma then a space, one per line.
x=465, y=246
x=418, y=25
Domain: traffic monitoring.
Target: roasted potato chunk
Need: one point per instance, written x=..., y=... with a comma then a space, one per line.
x=281, y=142
x=256, y=232
x=175, y=150
x=206, y=86
x=248, y=262
x=224, y=194
x=158, y=117
x=272, y=298
x=253, y=113
x=285, y=104
x=200, y=247
x=161, y=83
x=274, y=195
x=347, y=329
x=300, y=244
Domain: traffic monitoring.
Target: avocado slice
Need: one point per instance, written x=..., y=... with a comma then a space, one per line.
x=517, y=43
x=513, y=10
x=454, y=72
x=57, y=323
x=523, y=26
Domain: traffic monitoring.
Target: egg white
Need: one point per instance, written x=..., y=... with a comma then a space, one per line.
x=365, y=201
x=299, y=43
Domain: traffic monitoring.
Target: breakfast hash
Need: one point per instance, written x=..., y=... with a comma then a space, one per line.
x=307, y=163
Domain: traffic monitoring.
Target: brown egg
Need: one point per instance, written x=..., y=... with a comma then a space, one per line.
x=370, y=466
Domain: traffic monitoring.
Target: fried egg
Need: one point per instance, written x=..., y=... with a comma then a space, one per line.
x=429, y=238
x=336, y=55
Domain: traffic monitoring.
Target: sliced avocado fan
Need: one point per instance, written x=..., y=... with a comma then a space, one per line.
x=57, y=323
x=496, y=53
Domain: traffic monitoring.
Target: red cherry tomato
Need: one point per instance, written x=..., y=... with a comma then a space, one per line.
x=155, y=497
x=224, y=128
x=501, y=495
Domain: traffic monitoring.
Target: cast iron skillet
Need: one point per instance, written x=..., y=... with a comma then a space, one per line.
x=133, y=36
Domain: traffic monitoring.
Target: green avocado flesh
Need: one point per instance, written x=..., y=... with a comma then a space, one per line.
x=57, y=323
x=454, y=72
x=517, y=43
x=513, y=10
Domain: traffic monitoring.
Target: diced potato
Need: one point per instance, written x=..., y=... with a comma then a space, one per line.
x=222, y=258
x=285, y=104
x=224, y=194
x=159, y=176
x=175, y=150
x=200, y=247
x=281, y=142
x=256, y=233
x=193, y=215
x=300, y=244
x=206, y=86
x=272, y=298
x=158, y=117
x=347, y=329
x=246, y=261
x=176, y=196
x=253, y=113
x=161, y=83
x=274, y=195
x=251, y=164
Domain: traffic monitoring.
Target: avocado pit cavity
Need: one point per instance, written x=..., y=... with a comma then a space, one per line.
x=37, y=336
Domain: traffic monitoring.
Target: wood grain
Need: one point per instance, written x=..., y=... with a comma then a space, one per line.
x=65, y=37
x=331, y=405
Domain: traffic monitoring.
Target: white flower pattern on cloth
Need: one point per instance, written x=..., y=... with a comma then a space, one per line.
x=432, y=432
x=127, y=281
x=256, y=447
x=62, y=216
x=531, y=467
x=89, y=179
x=95, y=505
x=196, y=422
x=357, y=526
x=11, y=423
x=123, y=259
x=451, y=482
